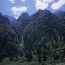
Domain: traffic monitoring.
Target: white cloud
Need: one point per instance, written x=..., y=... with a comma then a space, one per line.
x=42, y=4
x=57, y=5
x=23, y=0
x=47, y=1
x=12, y=1
x=16, y=17
x=17, y=11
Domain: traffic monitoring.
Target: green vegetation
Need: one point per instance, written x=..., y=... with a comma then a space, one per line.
x=8, y=39
x=42, y=36
x=23, y=62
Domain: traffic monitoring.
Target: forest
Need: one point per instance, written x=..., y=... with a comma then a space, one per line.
x=37, y=39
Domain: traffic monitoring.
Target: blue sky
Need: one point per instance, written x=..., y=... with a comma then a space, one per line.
x=16, y=7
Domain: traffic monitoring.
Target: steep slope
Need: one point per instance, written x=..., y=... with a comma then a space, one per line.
x=23, y=17
x=42, y=26
x=8, y=39
x=42, y=35
x=36, y=15
x=21, y=23
x=45, y=36
x=24, y=20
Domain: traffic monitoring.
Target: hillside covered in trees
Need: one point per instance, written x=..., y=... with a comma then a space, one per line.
x=38, y=39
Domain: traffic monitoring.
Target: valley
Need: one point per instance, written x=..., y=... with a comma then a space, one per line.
x=37, y=39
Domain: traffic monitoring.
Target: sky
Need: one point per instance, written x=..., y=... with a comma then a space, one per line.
x=16, y=7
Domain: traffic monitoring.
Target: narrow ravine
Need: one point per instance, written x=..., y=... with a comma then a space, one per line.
x=22, y=41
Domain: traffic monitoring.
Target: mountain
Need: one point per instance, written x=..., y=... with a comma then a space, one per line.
x=45, y=36
x=60, y=14
x=4, y=18
x=40, y=27
x=23, y=17
x=8, y=39
x=11, y=19
x=21, y=23
x=41, y=38
x=37, y=14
